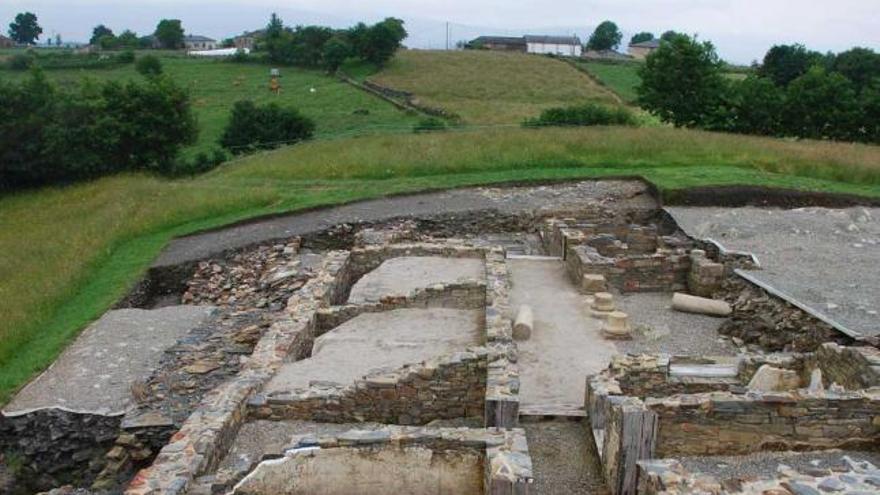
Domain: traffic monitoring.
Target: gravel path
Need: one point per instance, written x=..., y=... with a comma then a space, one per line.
x=660, y=329
x=564, y=460
x=826, y=258
x=764, y=465
x=621, y=194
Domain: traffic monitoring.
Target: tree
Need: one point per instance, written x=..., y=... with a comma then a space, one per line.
x=336, y=50
x=25, y=29
x=757, y=107
x=57, y=40
x=169, y=32
x=128, y=39
x=108, y=42
x=641, y=37
x=276, y=41
x=822, y=104
x=99, y=32
x=606, y=37
x=682, y=82
x=869, y=101
x=308, y=45
x=785, y=63
x=668, y=35
x=379, y=42
x=859, y=65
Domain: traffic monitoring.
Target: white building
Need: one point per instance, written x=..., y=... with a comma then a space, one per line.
x=197, y=42
x=564, y=46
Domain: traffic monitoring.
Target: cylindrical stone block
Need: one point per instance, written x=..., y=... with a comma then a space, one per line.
x=617, y=325
x=525, y=321
x=700, y=305
x=603, y=301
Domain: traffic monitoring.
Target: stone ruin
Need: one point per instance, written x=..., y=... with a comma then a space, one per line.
x=381, y=358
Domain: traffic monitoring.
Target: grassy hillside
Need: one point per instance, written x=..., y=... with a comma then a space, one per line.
x=70, y=252
x=485, y=87
x=622, y=78
x=216, y=85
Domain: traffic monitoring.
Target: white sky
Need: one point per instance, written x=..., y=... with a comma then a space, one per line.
x=742, y=30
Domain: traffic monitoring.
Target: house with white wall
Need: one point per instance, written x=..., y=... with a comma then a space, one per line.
x=564, y=46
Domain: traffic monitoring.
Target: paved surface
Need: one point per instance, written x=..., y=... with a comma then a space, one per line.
x=564, y=459
x=385, y=340
x=826, y=258
x=660, y=329
x=400, y=276
x=566, y=344
x=623, y=194
x=95, y=373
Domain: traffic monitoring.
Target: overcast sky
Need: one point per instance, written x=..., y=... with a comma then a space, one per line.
x=741, y=29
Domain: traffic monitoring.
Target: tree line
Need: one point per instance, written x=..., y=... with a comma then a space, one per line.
x=323, y=47
x=793, y=92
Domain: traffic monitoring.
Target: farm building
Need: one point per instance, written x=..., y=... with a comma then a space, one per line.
x=6, y=42
x=198, y=42
x=567, y=46
x=247, y=39
x=642, y=50
x=500, y=43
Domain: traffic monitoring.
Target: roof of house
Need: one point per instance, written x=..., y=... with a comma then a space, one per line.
x=197, y=38
x=500, y=40
x=553, y=40
x=647, y=44
x=252, y=34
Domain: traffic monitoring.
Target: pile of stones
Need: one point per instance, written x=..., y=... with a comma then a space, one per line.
x=264, y=277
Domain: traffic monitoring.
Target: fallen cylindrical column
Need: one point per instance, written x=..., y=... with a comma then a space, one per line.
x=525, y=321
x=700, y=305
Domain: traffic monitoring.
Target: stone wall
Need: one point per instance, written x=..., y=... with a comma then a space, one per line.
x=853, y=368
x=58, y=446
x=773, y=324
x=374, y=457
x=206, y=435
x=502, y=380
x=664, y=270
x=723, y=423
x=463, y=295
x=450, y=387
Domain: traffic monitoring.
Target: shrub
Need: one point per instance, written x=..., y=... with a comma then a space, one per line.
x=125, y=57
x=149, y=66
x=48, y=135
x=583, y=115
x=253, y=127
x=20, y=61
x=429, y=124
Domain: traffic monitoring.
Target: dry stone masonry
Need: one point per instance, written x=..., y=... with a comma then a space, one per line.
x=436, y=408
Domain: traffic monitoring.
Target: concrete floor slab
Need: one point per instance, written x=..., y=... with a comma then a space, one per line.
x=400, y=276
x=566, y=344
x=825, y=258
x=95, y=373
x=386, y=340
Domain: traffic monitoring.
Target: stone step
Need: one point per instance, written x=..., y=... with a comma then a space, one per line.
x=704, y=370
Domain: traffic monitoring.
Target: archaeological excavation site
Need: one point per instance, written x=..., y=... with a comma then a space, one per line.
x=567, y=338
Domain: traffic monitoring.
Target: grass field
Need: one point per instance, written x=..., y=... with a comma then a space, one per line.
x=485, y=87
x=70, y=253
x=216, y=85
x=622, y=78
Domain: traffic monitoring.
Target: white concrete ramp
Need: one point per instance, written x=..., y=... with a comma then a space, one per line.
x=95, y=373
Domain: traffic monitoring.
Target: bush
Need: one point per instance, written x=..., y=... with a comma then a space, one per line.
x=48, y=135
x=125, y=57
x=149, y=66
x=253, y=127
x=20, y=61
x=430, y=124
x=583, y=115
